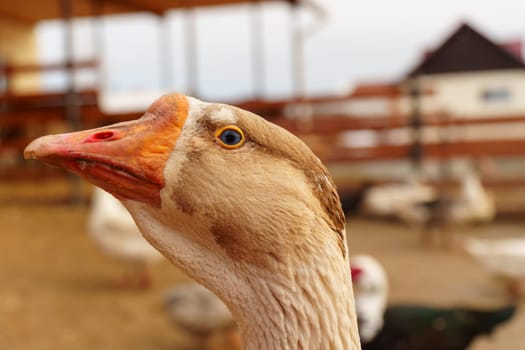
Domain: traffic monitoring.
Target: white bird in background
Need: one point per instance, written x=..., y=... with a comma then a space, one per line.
x=503, y=257
x=196, y=310
x=475, y=204
x=116, y=233
x=386, y=200
x=371, y=294
x=472, y=205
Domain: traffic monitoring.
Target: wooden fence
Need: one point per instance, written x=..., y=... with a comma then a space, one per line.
x=23, y=117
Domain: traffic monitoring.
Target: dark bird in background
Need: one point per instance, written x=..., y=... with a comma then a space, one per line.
x=414, y=327
x=352, y=200
x=409, y=327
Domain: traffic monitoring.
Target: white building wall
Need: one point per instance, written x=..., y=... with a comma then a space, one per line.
x=461, y=94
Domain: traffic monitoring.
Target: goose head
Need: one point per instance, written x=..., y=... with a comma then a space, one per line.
x=239, y=204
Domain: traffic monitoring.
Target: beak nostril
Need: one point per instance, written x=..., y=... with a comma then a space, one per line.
x=106, y=135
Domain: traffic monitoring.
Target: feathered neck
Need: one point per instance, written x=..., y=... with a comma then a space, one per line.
x=302, y=302
x=315, y=310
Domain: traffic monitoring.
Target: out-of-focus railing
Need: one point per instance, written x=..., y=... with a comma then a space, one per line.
x=329, y=125
x=24, y=116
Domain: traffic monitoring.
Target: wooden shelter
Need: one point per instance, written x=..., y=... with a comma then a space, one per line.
x=38, y=10
x=26, y=111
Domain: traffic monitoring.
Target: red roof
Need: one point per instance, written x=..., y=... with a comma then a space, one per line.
x=515, y=47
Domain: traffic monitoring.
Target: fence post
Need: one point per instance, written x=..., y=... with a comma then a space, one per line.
x=72, y=107
x=416, y=152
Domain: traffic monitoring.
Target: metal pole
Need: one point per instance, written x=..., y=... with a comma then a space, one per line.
x=445, y=140
x=99, y=43
x=297, y=45
x=258, y=67
x=190, y=33
x=72, y=107
x=165, y=54
x=416, y=151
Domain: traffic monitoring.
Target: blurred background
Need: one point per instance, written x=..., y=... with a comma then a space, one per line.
x=417, y=108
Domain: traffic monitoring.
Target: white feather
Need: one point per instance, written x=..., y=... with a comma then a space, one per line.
x=504, y=257
x=371, y=295
x=115, y=232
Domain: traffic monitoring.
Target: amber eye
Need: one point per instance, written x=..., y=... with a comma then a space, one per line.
x=230, y=136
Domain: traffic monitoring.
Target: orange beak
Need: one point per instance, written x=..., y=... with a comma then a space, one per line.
x=126, y=159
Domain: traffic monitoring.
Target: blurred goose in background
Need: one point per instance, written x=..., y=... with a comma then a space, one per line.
x=194, y=309
x=239, y=204
x=413, y=327
x=116, y=233
x=437, y=215
x=504, y=257
x=386, y=200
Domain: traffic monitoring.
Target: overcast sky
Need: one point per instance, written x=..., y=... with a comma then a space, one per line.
x=372, y=40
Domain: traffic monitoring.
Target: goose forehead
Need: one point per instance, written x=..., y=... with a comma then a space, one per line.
x=218, y=113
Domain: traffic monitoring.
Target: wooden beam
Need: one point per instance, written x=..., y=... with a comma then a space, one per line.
x=334, y=124
x=25, y=119
x=11, y=69
x=4, y=13
x=137, y=6
x=47, y=9
x=29, y=101
x=493, y=148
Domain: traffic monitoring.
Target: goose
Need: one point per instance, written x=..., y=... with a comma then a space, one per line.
x=412, y=326
x=241, y=205
x=504, y=257
x=472, y=205
x=197, y=311
x=385, y=200
x=115, y=232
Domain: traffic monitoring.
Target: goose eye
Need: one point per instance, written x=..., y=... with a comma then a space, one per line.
x=230, y=136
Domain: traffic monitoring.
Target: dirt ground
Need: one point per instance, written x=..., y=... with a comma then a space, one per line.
x=56, y=293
